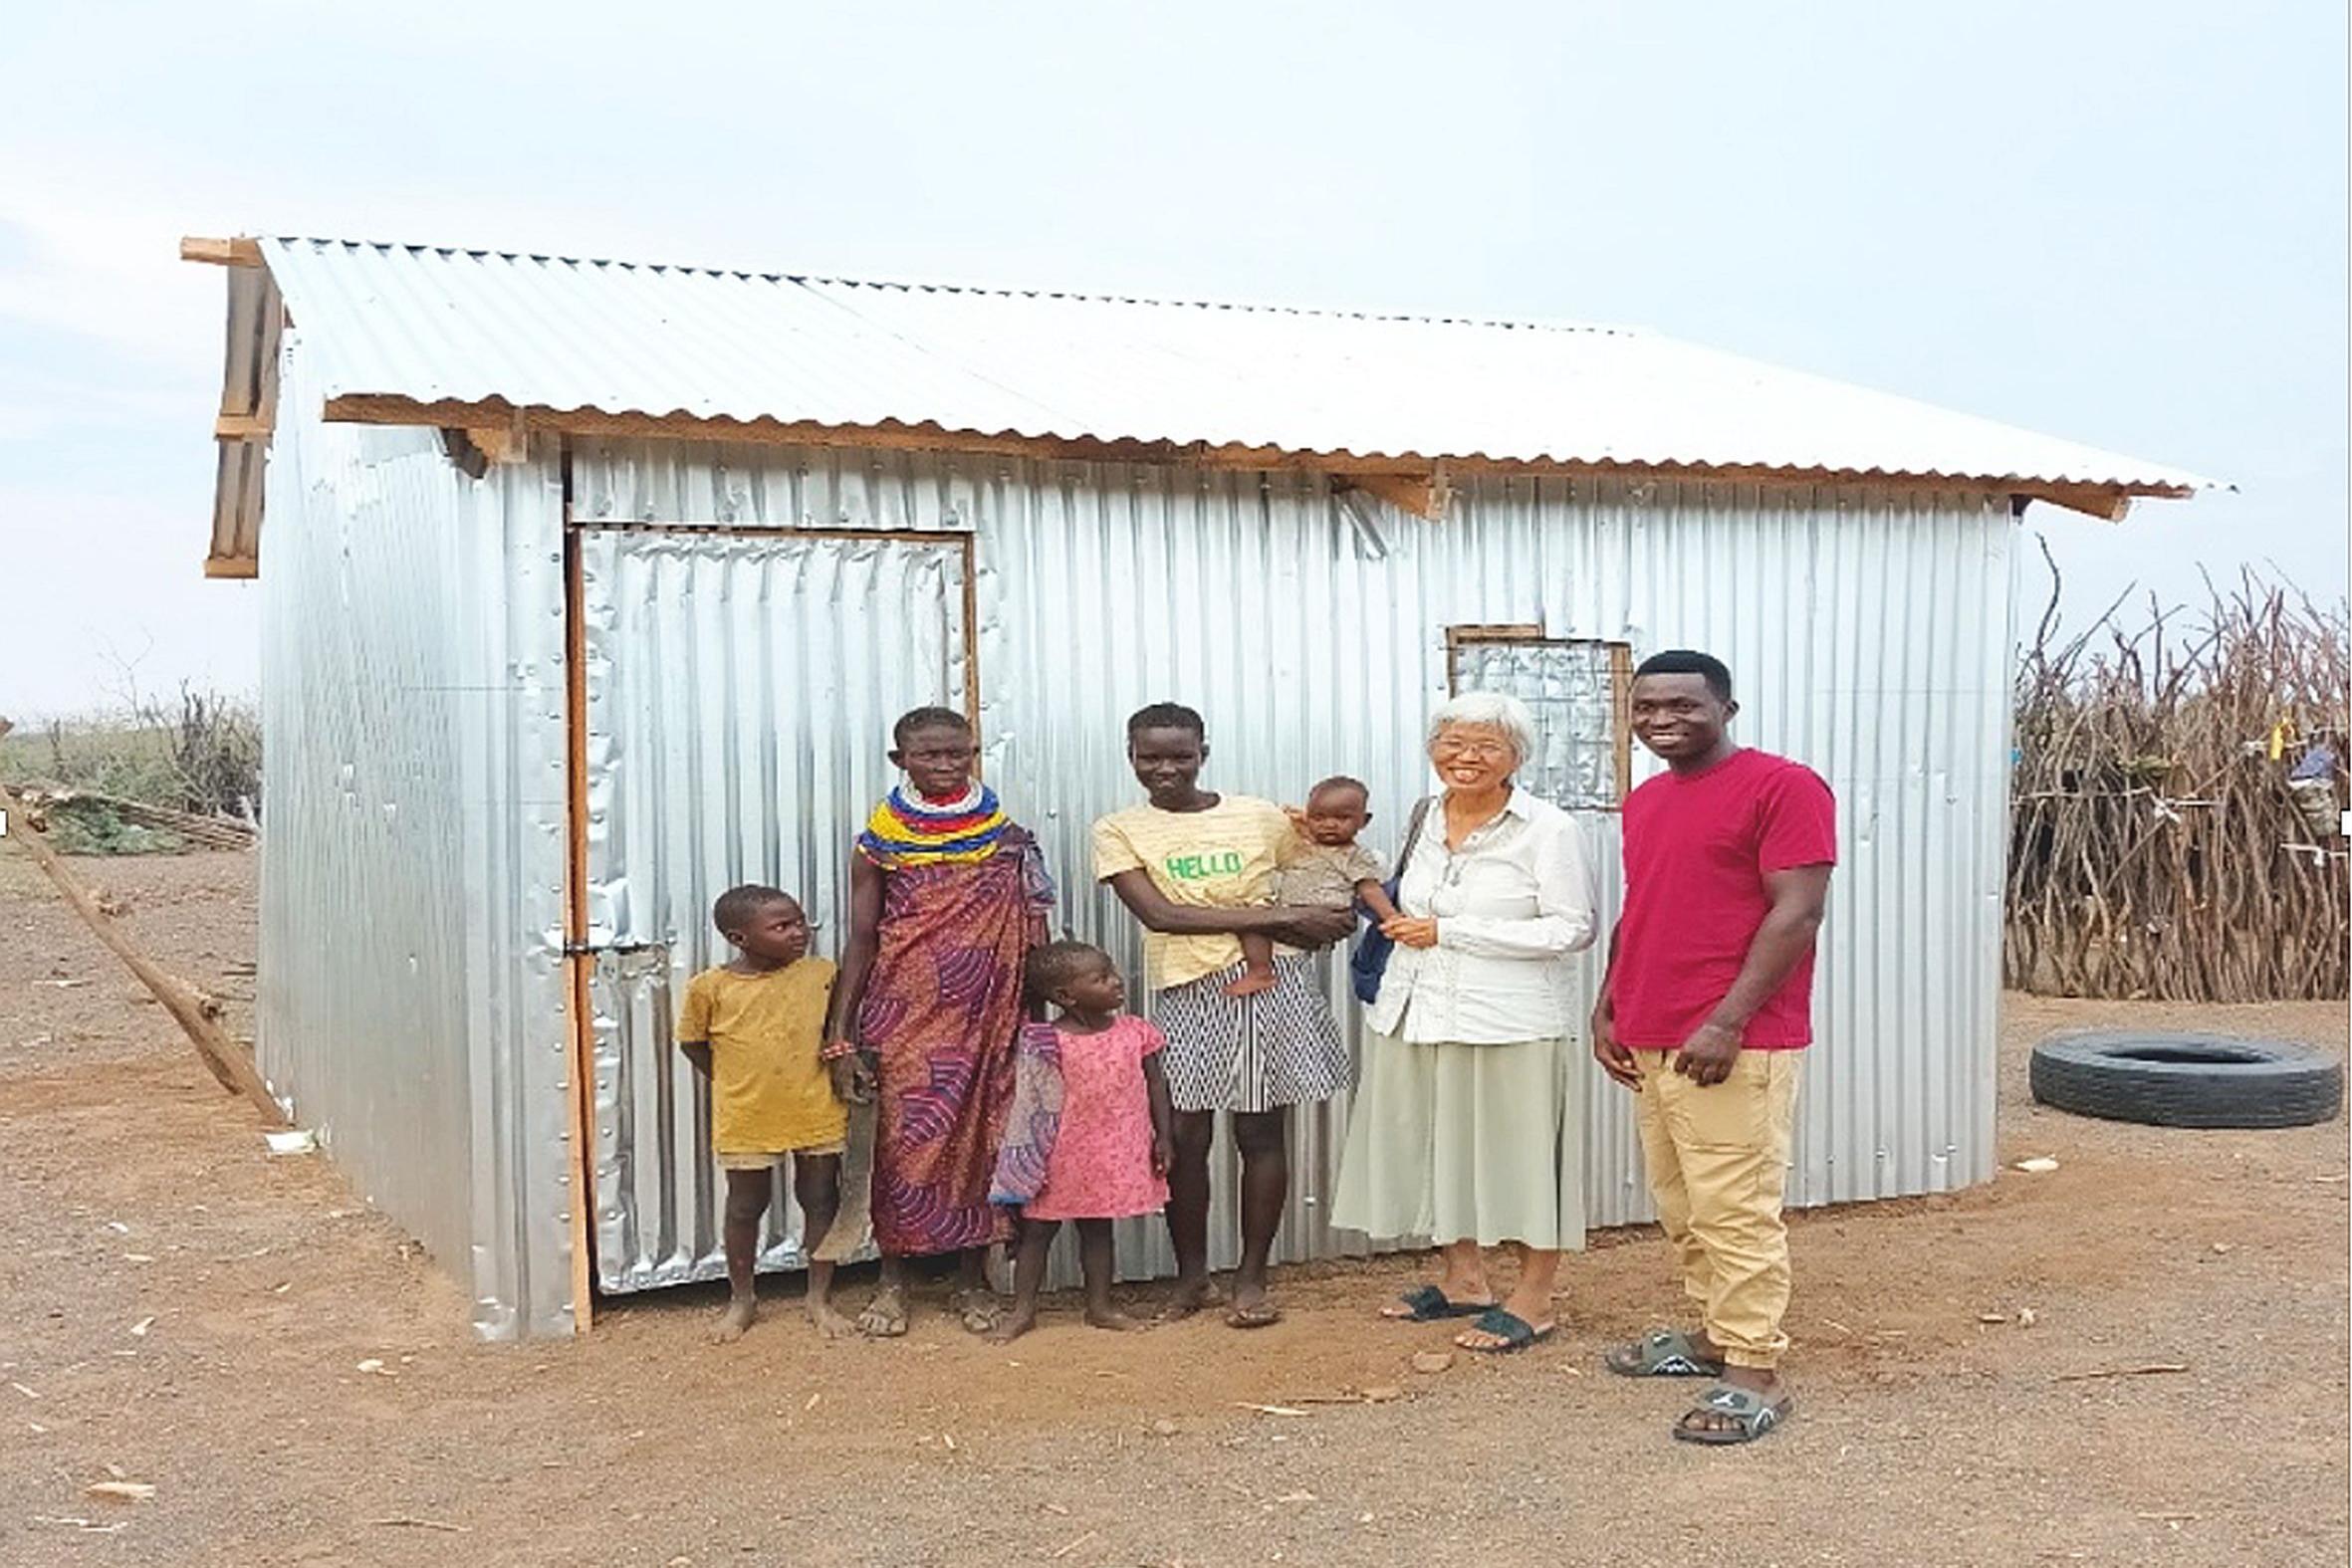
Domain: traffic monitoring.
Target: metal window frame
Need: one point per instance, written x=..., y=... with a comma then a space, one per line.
x=1620, y=655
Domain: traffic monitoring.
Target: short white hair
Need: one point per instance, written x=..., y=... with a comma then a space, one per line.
x=1505, y=715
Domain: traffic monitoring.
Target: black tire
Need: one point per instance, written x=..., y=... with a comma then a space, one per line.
x=2187, y=1080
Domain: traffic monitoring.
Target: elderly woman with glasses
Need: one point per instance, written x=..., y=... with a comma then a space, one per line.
x=1462, y=1128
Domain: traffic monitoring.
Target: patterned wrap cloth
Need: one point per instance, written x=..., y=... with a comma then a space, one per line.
x=962, y=887
x=1035, y=1120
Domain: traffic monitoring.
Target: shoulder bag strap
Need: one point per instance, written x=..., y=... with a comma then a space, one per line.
x=1404, y=856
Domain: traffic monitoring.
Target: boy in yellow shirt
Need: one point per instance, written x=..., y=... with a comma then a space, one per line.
x=755, y=1026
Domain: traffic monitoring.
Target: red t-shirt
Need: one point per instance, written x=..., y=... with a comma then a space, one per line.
x=1696, y=851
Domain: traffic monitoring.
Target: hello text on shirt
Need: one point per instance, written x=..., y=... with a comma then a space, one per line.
x=1202, y=868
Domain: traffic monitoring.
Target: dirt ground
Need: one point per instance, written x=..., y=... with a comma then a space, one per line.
x=300, y=1386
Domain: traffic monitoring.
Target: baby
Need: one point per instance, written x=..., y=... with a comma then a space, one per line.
x=1329, y=870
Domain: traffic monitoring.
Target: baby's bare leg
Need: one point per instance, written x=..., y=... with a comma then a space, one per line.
x=1258, y=968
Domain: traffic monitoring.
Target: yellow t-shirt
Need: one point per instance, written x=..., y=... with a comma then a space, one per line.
x=1221, y=858
x=769, y=1091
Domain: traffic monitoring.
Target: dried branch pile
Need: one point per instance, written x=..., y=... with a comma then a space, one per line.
x=2178, y=792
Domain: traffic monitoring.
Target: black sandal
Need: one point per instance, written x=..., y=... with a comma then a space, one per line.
x=1516, y=1332
x=1429, y=1303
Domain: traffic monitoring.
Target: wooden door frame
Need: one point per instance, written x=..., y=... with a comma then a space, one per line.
x=578, y=956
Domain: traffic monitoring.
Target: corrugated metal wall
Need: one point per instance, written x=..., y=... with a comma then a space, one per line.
x=1870, y=631
x=412, y=1001
x=411, y=1004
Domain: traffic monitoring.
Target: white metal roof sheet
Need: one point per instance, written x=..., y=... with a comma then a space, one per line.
x=434, y=325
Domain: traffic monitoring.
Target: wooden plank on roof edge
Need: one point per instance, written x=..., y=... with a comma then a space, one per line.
x=1431, y=487
x=240, y=250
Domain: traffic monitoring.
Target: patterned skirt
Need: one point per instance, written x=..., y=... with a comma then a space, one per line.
x=1252, y=1054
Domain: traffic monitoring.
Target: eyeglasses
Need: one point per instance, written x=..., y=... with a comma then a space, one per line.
x=1483, y=751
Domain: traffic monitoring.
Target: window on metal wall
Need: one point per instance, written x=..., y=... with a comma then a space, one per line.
x=1575, y=688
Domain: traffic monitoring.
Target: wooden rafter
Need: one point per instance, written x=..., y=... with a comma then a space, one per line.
x=238, y=252
x=1425, y=495
x=506, y=442
x=2107, y=503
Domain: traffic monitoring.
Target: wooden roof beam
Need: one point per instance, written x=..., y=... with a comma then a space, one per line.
x=1425, y=495
x=238, y=252
x=2107, y=503
x=1402, y=474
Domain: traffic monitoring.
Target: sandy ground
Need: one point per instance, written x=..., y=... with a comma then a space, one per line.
x=183, y=1312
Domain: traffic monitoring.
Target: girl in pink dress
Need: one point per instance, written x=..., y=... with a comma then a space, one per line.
x=1091, y=1127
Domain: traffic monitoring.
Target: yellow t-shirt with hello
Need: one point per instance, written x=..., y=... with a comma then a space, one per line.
x=1221, y=858
x=770, y=1093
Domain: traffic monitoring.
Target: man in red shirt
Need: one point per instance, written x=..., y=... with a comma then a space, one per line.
x=1703, y=1014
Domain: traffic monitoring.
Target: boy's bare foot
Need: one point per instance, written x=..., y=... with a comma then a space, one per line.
x=1251, y=983
x=1012, y=1325
x=1112, y=1318
x=738, y=1318
x=885, y=1316
x=1193, y=1295
x=828, y=1319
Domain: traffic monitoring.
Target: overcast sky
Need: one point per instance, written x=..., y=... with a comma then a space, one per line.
x=2119, y=223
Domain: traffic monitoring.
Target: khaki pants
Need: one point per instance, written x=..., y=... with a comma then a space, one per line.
x=1718, y=1163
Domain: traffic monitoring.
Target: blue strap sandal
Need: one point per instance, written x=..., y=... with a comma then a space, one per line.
x=1662, y=1353
x=1751, y=1416
x=1516, y=1332
x=1427, y=1303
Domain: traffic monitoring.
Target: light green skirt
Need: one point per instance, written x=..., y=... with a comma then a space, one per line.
x=1452, y=1143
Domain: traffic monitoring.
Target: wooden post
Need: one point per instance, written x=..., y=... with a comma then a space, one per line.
x=222, y=1056
x=583, y=1076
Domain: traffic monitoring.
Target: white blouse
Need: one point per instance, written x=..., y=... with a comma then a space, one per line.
x=1511, y=904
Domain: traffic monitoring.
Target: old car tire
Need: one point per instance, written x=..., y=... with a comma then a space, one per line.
x=2187, y=1080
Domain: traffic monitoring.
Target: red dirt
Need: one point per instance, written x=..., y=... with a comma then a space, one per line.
x=133, y=1190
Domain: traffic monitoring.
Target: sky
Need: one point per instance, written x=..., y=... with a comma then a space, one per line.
x=2119, y=223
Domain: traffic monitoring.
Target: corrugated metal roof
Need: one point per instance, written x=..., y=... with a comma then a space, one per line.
x=434, y=325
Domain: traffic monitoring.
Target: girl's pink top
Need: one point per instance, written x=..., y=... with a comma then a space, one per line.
x=1101, y=1167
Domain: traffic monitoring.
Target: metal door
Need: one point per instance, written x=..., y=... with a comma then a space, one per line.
x=740, y=692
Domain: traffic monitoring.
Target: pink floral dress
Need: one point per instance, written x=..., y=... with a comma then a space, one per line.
x=1100, y=1164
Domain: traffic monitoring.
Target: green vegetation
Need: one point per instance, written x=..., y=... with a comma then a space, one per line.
x=201, y=755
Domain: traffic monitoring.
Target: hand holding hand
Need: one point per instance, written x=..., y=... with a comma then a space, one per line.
x=1707, y=1057
x=842, y=1070
x=1412, y=931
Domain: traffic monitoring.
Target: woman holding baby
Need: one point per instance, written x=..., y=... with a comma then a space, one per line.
x=1196, y=869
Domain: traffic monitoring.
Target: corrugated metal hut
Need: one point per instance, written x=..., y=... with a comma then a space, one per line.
x=592, y=588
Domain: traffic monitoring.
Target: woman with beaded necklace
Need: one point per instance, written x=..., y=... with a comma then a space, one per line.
x=947, y=896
